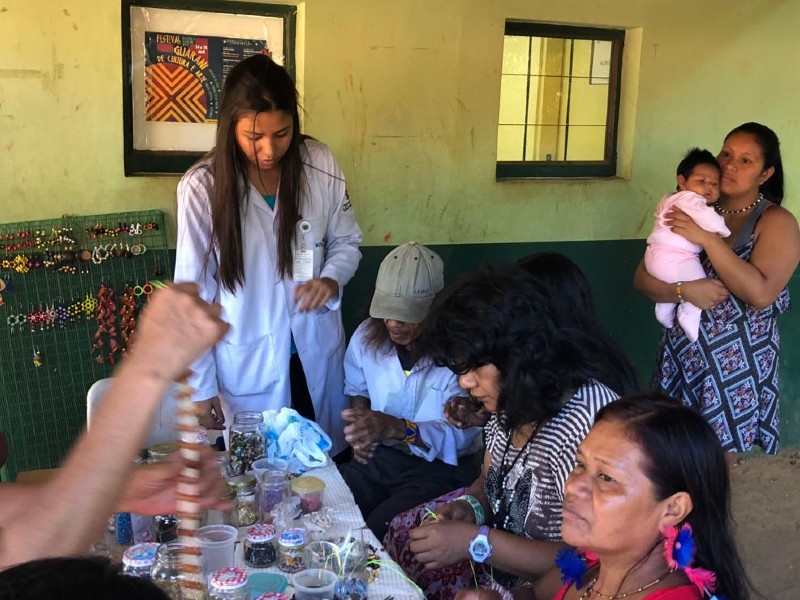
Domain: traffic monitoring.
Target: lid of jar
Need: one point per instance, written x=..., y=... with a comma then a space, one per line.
x=140, y=555
x=307, y=484
x=272, y=596
x=229, y=578
x=292, y=538
x=229, y=493
x=248, y=417
x=161, y=450
x=263, y=532
x=243, y=482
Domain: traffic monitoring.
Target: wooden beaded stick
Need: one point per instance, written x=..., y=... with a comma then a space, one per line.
x=192, y=580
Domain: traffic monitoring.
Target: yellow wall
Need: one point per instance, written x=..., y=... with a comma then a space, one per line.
x=407, y=94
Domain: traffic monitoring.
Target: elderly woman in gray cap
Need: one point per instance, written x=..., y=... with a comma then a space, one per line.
x=405, y=453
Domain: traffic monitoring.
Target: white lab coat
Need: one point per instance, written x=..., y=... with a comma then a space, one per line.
x=249, y=368
x=419, y=396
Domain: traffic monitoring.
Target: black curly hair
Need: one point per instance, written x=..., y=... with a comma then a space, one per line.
x=501, y=316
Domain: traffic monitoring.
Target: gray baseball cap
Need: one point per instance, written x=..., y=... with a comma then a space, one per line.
x=408, y=279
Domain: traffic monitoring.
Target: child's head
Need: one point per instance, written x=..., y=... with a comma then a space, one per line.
x=699, y=172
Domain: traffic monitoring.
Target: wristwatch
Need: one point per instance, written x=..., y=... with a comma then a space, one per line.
x=479, y=548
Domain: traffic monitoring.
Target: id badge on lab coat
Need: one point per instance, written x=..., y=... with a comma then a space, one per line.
x=303, y=261
x=303, y=265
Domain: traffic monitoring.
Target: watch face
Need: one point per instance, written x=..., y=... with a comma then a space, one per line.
x=480, y=548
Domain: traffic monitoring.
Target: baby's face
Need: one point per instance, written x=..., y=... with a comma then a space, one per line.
x=704, y=180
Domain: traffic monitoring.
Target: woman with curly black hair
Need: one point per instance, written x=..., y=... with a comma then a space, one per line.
x=495, y=328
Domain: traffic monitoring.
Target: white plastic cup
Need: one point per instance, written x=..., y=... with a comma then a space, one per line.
x=269, y=464
x=314, y=584
x=217, y=543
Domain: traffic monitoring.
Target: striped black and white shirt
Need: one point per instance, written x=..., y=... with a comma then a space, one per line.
x=528, y=499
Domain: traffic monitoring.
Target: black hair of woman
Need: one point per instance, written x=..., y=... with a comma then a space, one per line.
x=255, y=85
x=572, y=306
x=683, y=454
x=770, y=146
x=501, y=316
x=74, y=577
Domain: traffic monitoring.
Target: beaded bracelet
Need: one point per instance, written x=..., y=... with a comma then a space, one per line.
x=411, y=433
x=477, y=508
x=679, y=292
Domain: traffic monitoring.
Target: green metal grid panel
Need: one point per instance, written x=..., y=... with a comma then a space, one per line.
x=43, y=409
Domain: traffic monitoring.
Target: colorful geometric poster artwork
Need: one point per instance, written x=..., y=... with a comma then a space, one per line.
x=184, y=73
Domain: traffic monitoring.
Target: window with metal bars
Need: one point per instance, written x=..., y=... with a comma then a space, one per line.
x=559, y=101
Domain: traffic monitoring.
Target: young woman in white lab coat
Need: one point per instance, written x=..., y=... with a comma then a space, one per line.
x=265, y=227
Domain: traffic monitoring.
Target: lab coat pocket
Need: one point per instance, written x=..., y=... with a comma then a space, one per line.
x=249, y=368
x=330, y=335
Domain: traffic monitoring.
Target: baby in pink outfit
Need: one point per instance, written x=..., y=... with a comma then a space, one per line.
x=671, y=257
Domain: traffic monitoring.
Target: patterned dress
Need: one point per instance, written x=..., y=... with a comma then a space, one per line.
x=730, y=374
x=524, y=488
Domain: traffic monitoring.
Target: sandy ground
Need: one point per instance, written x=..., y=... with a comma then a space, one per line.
x=766, y=508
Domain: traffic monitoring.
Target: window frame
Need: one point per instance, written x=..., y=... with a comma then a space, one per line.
x=607, y=167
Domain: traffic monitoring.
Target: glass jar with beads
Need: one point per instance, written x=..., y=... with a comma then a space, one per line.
x=244, y=505
x=247, y=440
x=166, y=573
x=291, y=550
x=259, y=546
x=138, y=560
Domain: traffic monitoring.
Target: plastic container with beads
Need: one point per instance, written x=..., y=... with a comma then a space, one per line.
x=309, y=489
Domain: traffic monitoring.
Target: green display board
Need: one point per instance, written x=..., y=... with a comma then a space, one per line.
x=49, y=353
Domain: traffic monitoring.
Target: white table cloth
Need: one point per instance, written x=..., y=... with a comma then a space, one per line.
x=346, y=517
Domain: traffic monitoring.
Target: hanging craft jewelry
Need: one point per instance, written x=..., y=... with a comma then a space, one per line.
x=37, y=358
x=17, y=320
x=89, y=305
x=106, y=334
x=61, y=314
x=724, y=211
x=127, y=317
x=74, y=310
x=100, y=254
x=49, y=317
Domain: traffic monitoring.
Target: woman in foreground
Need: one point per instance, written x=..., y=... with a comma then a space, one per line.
x=647, y=511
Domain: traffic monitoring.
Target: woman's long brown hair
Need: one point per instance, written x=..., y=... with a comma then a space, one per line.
x=257, y=84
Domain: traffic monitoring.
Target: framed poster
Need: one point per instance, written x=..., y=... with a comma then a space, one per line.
x=175, y=57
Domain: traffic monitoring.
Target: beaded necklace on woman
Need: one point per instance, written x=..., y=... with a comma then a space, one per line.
x=502, y=505
x=590, y=591
x=725, y=211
